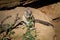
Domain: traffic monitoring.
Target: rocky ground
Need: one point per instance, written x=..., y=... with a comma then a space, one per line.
x=50, y=13
x=53, y=11
x=42, y=30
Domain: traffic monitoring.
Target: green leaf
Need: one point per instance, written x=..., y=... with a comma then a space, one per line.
x=11, y=33
x=28, y=36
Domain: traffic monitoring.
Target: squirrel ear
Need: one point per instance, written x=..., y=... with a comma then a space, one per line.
x=29, y=10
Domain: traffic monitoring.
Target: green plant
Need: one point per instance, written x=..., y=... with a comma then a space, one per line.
x=28, y=35
x=7, y=28
x=8, y=34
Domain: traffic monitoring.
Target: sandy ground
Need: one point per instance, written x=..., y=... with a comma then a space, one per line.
x=53, y=11
x=44, y=32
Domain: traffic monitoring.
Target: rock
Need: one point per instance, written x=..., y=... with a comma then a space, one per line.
x=13, y=3
x=51, y=10
x=43, y=32
x=9, y=3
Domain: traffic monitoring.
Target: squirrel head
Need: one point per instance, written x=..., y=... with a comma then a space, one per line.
x=28, y=13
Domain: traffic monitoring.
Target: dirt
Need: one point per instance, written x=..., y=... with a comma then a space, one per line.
x=44, y=32
x=53, y=11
